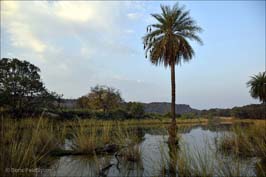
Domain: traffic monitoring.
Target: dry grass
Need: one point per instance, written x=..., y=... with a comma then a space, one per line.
x=132, y=122
x=246, y=141
x=132, y=153
x=26, y=143
x=86, y=136
x=26, y=148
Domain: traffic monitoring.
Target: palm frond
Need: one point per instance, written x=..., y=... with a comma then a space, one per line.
x=167, y=40
x=257, y=85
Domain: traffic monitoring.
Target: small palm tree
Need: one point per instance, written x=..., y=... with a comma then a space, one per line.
x=166, y=42
x=257, y=85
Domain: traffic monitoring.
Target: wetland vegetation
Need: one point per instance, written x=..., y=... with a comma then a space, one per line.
x=103, y=135
x=133, y=147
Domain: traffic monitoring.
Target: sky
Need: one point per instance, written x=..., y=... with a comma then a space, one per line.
x=78, y=45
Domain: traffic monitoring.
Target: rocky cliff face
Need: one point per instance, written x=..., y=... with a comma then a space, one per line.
x=163, y=108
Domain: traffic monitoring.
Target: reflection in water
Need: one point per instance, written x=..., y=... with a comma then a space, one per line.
x=157, y=156
x=261, y=168
x=173, y=158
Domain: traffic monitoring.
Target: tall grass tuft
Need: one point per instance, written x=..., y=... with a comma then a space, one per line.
x=87, y=136
x=25, y=145
x=84, y=138
x=247, y=141
x=129, y=141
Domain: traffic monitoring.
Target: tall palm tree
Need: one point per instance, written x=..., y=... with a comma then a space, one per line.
x=166, y=42
x=257, y=85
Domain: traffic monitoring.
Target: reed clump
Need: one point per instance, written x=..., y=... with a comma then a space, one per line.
x=132, y=153
x=88, y=137
x=128, y=140
x=245, y=141
x=25, y=145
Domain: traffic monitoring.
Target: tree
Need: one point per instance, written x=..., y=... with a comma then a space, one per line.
x=83, y=102
x=257, y=85
x=166, y=42
x=21, y=88
x=135, y=109
x=104, y=98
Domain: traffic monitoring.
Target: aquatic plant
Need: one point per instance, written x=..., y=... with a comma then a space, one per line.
x=25, y=148
x=248, y=141
x=84, y=138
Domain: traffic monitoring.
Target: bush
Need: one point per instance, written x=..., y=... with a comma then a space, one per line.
x=188, y=115
x=254, y=111
x=169, y=115
x=135, y=110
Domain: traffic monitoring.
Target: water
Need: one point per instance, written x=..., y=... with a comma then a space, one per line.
x=198, y=142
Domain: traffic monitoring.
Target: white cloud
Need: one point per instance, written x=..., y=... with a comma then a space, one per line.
x=134, y=16
x=85, y=51
x=21, y=36
x=9, y=8
x=129, y=31
x=78, y=11
x=67, y=39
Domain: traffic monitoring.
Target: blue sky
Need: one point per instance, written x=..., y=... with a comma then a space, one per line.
x=80, y=44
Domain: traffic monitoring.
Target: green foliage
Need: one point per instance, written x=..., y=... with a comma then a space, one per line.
x=154, y=116
x=83, y=102
x=169, y=115
x=135, y=109
x=21, y=88
x=253, y=111
x=216, y=112
x=89, y=114
x=106, y=103
x=166, y=41
x=117, y=114
x=101, y=98
x=257, y=85
x=190, y=115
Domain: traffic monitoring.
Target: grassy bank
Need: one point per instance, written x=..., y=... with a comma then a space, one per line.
x=30, y=143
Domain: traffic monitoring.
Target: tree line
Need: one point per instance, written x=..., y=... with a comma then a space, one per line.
x=253, y=111
x=23, y=94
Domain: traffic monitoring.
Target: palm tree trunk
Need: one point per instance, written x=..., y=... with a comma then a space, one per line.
x=173, y=91
x=172, y=128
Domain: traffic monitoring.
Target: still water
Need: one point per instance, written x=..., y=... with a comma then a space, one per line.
x=197, y=144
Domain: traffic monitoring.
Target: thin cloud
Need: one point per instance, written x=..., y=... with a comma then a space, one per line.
x=67, y=39
x=134, y=16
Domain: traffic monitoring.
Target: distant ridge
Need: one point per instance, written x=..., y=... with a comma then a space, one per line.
x=164, y=107
x=153, y=107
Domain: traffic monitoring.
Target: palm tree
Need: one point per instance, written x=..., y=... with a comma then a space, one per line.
x=166, y=42
x=257, y=85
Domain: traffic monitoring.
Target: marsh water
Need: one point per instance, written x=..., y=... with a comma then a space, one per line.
x=197, y=144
